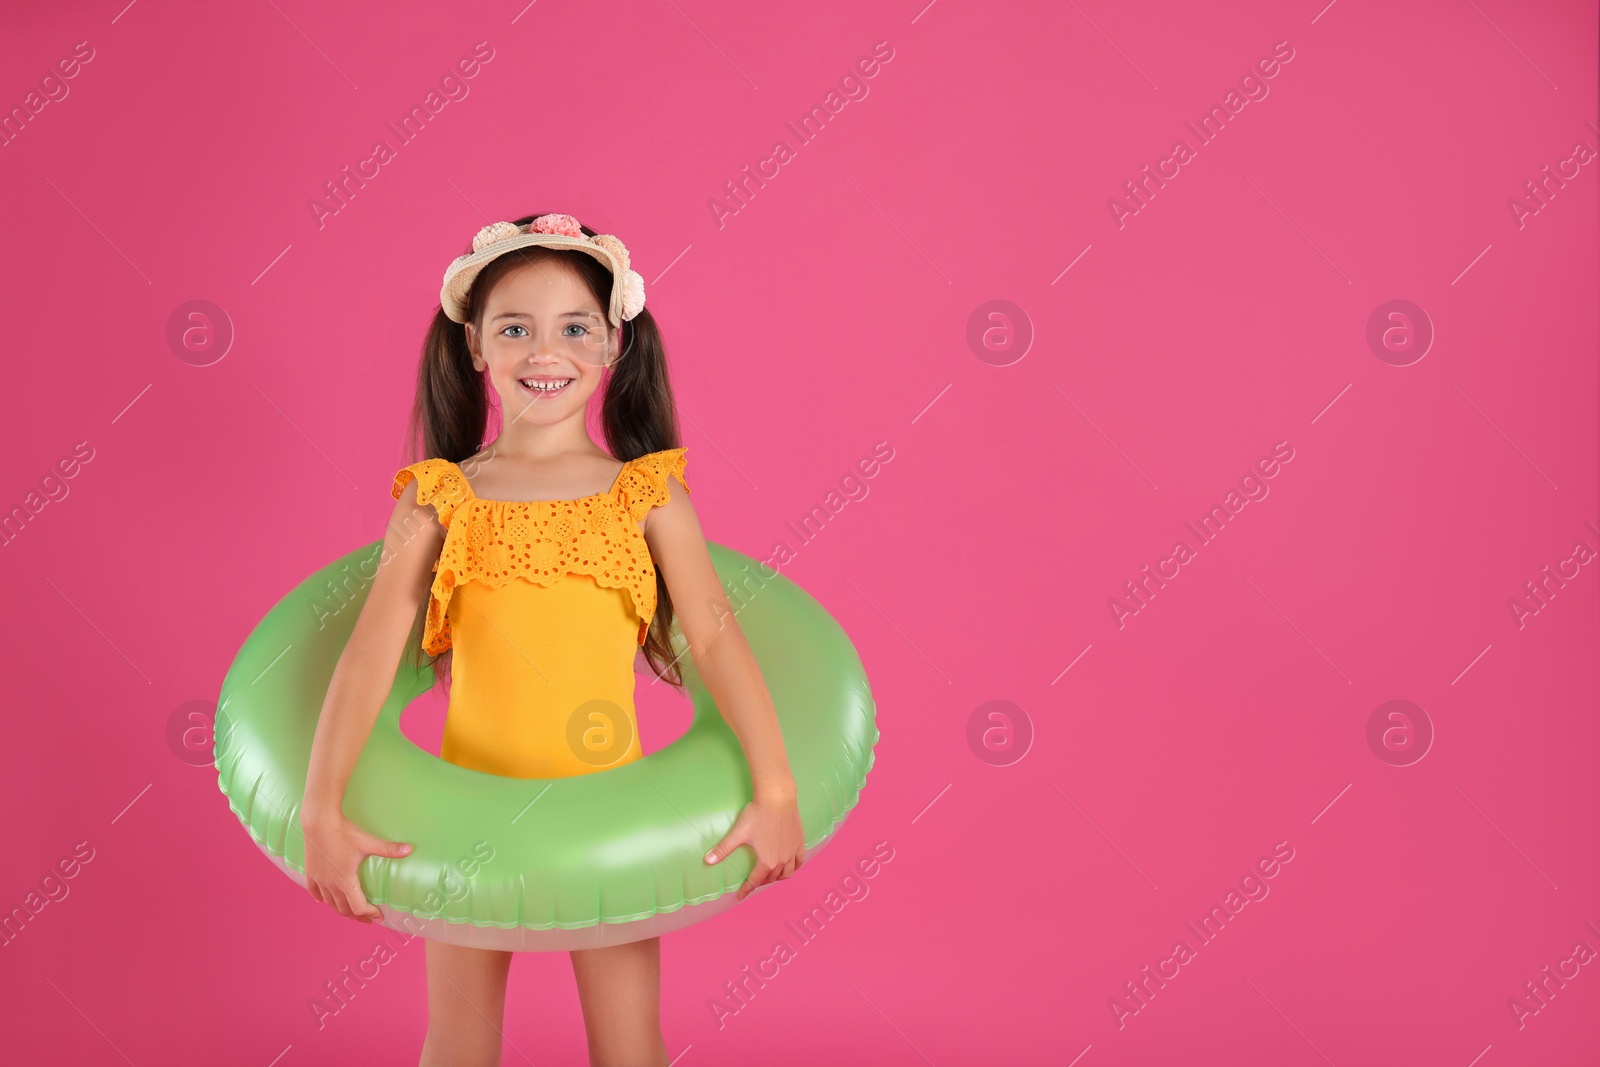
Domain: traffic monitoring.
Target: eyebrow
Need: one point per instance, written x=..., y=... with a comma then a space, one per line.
x=563, y=315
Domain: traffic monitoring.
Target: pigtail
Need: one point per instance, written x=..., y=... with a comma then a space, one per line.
x=638, y=416
x=451, y=412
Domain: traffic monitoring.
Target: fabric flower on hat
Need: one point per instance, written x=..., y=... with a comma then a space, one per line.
x=615, y=247
x=632, y=293
x=495, y=231
x=565, y=225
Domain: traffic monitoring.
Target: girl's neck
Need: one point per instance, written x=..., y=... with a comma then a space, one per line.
x=536, y=444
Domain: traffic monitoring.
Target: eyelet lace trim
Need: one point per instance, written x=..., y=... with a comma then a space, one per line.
x=542, y=541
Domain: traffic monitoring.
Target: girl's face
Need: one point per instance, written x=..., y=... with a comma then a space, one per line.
x=544, y=341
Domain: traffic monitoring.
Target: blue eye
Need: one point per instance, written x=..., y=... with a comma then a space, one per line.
x=515, y=326
x=577, y=326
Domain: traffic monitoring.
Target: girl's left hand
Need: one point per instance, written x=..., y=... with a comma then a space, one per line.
x=771, y=827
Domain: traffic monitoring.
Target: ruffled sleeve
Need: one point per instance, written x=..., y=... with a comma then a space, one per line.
x=643, y=484
x=439, y=483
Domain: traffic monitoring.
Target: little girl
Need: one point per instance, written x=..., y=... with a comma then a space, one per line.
x=545, y=565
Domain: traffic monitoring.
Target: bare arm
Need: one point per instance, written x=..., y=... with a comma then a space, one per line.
x=721, y=653
x=366, y=668
x=770, y=824
x=360, y=684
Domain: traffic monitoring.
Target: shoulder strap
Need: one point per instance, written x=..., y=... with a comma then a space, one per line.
x=643, y=482
x=439, y=483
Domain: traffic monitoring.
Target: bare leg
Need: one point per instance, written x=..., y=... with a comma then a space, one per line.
x=620, y=989
x=466, y=1006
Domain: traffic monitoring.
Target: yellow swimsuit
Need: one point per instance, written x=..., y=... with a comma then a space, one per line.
x=542, y=677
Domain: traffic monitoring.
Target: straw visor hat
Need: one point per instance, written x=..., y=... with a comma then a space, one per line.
x=549, y=231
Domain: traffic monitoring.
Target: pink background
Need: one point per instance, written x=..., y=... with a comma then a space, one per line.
x=831, y=312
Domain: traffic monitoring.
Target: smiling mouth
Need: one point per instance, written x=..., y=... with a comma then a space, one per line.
x=544, y=387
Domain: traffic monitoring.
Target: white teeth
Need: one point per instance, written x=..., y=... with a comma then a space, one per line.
x=545, y=387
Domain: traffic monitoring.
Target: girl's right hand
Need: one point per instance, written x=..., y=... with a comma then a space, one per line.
x=335, y=847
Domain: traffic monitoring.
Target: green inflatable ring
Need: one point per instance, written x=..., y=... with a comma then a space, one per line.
x=529, y=864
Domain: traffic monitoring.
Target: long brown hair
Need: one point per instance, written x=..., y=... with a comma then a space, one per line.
x=450, y=418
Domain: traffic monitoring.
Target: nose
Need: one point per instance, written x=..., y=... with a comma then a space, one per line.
x=546, y=349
